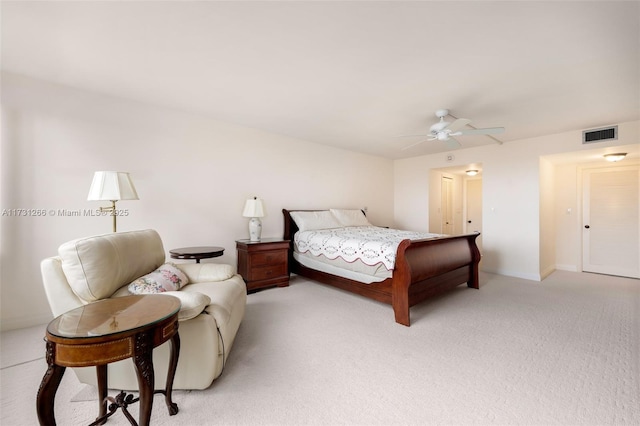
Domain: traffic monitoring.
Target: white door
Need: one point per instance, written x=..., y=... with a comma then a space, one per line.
x=447, y=206
x=474, y=209
x=611, y=221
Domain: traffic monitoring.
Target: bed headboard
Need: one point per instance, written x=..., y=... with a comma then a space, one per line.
x=290, y=227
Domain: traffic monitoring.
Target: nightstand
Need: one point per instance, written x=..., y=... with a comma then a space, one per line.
x=263, y=263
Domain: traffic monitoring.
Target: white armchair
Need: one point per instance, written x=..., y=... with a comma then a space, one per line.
x=99, y=267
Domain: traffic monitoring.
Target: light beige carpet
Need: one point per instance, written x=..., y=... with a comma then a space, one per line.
x=563, y=351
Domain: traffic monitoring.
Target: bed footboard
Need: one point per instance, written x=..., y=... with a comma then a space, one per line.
x=424, y=268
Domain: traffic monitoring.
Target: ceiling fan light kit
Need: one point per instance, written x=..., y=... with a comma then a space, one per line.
x=444, y=131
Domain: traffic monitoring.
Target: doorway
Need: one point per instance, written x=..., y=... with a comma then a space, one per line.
x=446, y=204
x=474, y=209
x=611, y=221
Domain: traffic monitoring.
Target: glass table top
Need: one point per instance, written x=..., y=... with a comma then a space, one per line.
x=111, y=316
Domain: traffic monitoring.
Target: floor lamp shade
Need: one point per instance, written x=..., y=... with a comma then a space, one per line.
x=112, y=186
x=255, y=210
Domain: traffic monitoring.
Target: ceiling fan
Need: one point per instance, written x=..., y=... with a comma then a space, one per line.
x=444, y=130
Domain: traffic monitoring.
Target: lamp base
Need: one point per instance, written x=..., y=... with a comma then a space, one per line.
x=255, y=229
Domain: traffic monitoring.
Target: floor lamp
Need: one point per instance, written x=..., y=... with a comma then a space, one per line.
x=112, y=186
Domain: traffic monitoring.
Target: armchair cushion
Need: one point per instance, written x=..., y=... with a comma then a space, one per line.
x=192, y=303
x=96, y=267
x=166, y=278
x=206, y=272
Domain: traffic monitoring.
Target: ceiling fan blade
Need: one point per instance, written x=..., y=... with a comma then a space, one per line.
x=414, y=144
x=487, y=131
x=411, y=136
x=452, y=143
x=458, y=124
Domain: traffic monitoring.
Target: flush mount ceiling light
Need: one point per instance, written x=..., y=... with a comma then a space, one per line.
x=615, y=157
x=471, y=172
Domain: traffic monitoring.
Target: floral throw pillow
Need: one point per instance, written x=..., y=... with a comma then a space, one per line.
x=166, y=278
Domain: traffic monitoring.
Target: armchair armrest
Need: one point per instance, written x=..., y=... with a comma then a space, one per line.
x=206, y=272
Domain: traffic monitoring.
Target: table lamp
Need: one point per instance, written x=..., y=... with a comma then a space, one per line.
x=253, y=208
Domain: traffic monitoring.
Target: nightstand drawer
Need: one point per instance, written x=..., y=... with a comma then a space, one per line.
x=268, y=271
x=263, y=263
x=268, y=258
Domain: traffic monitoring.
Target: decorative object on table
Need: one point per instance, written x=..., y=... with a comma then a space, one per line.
x=112, y=186
x=264, y=263
x=254, y=209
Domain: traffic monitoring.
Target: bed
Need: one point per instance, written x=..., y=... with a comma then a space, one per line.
x=422, y=267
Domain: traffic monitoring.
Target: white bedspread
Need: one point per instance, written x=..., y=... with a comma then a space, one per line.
x=370, y=244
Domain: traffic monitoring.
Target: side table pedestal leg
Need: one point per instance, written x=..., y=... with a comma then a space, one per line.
x=143, y=361
x=101, y=372
x=173, y=364
x=48, y=388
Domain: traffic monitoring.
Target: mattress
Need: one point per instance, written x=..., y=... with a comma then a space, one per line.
x=362, y=253
x=357, y=270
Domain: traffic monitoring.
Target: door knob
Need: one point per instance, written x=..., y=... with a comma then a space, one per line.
x=587, y=226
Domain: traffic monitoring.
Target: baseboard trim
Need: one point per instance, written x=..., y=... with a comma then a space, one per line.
x=25, y=322
x=570, y=268
x=515, y=274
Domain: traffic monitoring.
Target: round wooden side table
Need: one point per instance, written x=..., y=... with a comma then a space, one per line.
x=196, y=253
x=106, y=331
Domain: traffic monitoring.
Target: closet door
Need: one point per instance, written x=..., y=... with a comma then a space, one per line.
x=611, y=221
x=474, y=209
x=447, y=206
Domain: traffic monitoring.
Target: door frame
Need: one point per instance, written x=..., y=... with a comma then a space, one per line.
x=581, y=170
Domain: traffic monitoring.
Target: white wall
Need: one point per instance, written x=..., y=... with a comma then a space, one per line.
x=514, y=232
x=567, y=237
x=547, y=218
x=192, y=174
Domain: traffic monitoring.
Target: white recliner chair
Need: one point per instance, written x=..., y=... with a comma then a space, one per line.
x=213, y=303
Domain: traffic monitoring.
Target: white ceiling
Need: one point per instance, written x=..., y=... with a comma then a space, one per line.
x=351, y=74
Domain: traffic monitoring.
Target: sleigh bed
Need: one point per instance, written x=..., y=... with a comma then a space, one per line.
x=422, y=267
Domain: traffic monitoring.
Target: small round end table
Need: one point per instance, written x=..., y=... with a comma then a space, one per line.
x=106, y=331
x=196, y=253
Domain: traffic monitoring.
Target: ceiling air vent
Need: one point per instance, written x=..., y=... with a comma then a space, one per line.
x=597, y=135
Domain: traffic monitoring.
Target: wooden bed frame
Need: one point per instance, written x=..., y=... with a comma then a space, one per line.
x=423, y=268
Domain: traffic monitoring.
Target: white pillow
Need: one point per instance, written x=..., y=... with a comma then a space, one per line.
x=166, y=278
x=350, y=217
x=309, y=221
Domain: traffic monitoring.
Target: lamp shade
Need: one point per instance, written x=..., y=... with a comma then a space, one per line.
x=112, y=186
x=253, y=208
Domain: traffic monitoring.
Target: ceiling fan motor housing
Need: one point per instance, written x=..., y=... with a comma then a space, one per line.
x=441, y=113
x=439, y=126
